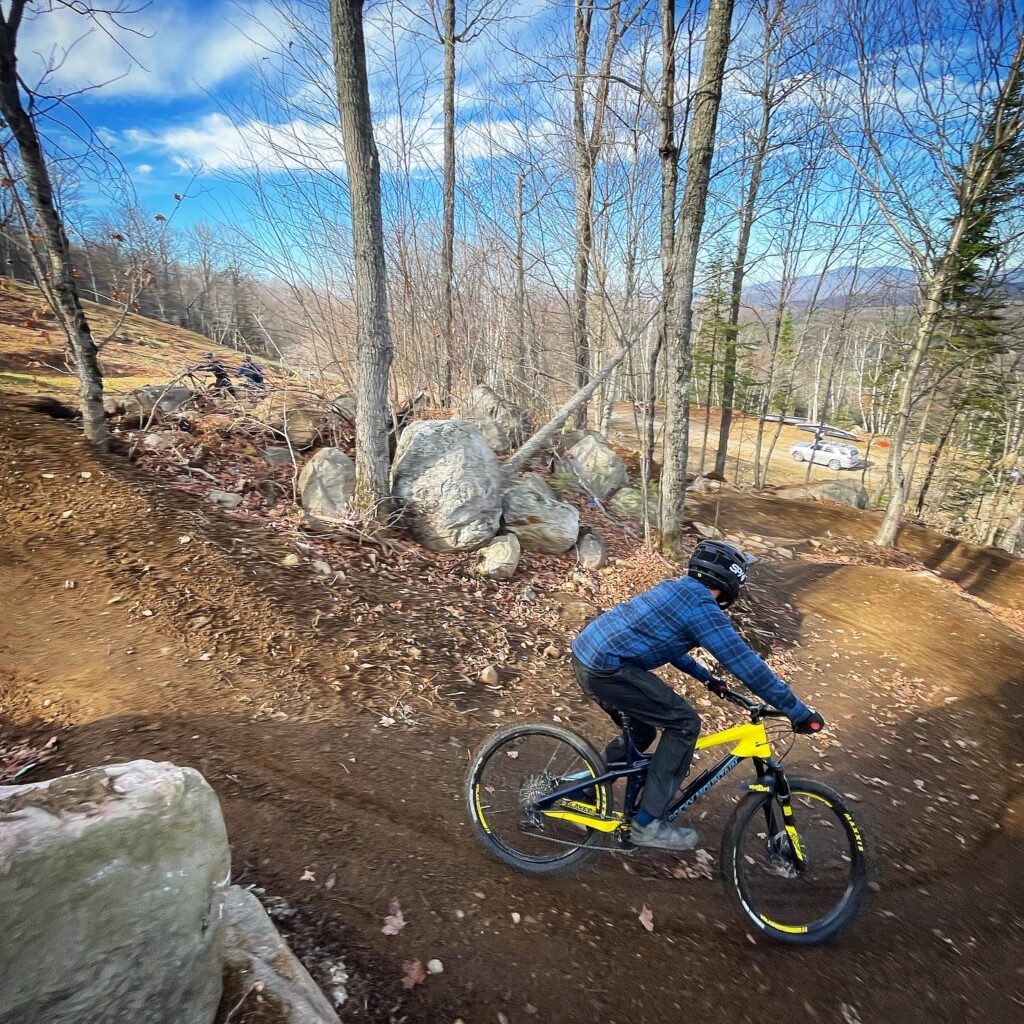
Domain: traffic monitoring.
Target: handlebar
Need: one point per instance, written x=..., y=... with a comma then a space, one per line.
x=758, y=709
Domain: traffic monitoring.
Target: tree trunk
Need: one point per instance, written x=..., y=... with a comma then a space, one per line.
x=448, y=215
x=60, y=280
x=534, y=444
x=373, y=331
x=520, y=300
x=739, y=269
x=691, y=221
x=887, y=531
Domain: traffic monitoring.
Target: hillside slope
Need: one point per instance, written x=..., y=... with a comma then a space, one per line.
x=134, y=350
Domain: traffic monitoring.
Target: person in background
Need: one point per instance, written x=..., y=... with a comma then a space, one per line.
x=221, y=379
x=252, y=373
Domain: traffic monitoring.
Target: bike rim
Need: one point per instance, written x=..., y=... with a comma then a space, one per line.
x=516, y=773
x=774, y=892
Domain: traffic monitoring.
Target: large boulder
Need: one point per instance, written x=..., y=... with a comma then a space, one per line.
x=499, y=558
x=843, y=492
x=504, y=425
x=327, y=483
x=155, y=400
x=447, y=482
x=541, y=522
x=599, y=469
x=112, y=887
x=258, y=965
x=629, y=502
x=300, y=415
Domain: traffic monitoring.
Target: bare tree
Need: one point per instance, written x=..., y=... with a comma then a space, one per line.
x=700, y=150
x=55, y=272
x=373, y=330
x=935, y=156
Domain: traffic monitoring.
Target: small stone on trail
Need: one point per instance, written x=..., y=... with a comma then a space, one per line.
x=291, y=560
x=184, y=539
x=322, y=567
x=67, y=514
x=435, y=967
x=516, y=917
x=70, y=584
x=551, y=651
x=86, y=475
x=490, y=676
x=226, y=499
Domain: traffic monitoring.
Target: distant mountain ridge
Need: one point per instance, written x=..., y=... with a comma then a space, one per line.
x=865, y=286
x=868, y=287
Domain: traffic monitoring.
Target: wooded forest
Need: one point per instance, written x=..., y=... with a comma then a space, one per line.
x=770, y=208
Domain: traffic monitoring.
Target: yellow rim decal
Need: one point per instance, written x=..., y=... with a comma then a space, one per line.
x=795, y=840
x=479, y=808
x=788, y=928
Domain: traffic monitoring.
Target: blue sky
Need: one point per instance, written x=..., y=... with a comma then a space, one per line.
x=176, y=91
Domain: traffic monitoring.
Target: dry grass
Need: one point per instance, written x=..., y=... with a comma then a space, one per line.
x=134, y=349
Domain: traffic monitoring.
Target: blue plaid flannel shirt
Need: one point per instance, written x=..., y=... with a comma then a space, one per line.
x=661, y=627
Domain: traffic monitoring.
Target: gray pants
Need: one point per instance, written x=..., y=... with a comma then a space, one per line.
x=649, y=705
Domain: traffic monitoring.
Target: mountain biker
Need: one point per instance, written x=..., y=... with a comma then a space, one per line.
x=221, y=381
x=252, y=373
x=613, y=656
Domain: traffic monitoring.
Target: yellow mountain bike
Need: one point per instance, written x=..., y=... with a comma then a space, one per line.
x=541, y=800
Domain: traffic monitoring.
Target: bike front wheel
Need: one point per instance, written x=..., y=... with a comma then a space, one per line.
x=515, y=768
x=803, y=895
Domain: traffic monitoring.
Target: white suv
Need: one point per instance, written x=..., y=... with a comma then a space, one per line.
x=826, y=453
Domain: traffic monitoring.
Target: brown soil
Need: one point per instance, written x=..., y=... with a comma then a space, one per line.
x=134, y=643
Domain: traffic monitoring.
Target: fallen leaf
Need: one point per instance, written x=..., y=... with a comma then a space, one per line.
x=413, y=974
x=307, y=876
x=647, y=918
x=394, y=922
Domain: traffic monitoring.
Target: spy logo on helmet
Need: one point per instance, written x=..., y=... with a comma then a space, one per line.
x=721, y=567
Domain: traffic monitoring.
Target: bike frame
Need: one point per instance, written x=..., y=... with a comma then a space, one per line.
x=748, y=741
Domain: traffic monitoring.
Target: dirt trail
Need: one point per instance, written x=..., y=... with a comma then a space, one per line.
x=265, y=679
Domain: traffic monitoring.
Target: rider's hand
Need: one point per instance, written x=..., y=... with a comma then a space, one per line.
x=811, y=724
x=717, y=686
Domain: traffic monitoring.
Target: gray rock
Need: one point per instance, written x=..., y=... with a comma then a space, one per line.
x=706, y=531
x=843, y=492
x=537, y=483
x=345, y=406
x=629, y=502
x=600, y=470
x=504, y=425
x=591, y=549
x=158, y=441
x=447, y=482
x=541, y=523
x=112, y=406
x=277, y=456
x=255, y=953
x=226, y=499
x=705, y=485
x=155, y=400
x=300, y=415
x=112, y=886
x=499, y=558
x=327, y=483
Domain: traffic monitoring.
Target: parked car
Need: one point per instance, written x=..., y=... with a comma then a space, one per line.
x=826, y=453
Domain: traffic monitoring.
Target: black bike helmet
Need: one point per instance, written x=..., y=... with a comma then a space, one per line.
x=720, y=566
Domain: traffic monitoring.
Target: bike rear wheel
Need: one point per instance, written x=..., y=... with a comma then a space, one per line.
x=759, y=864
x=516, y=767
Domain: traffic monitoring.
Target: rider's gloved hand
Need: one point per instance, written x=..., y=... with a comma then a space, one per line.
x=717, y=686
x=811, y=724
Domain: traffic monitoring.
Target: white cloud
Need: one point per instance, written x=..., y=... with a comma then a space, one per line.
x=144, y=169
x=179, y=52
x=216, y=143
